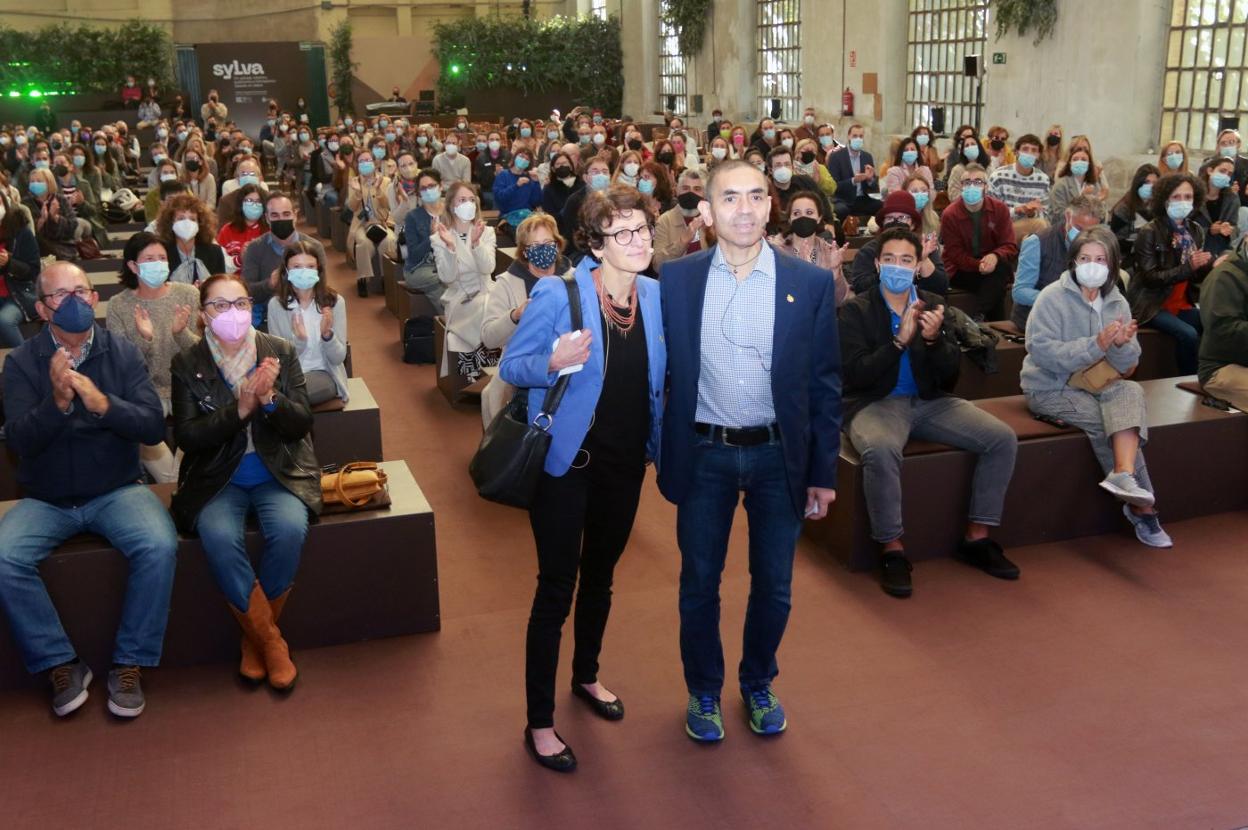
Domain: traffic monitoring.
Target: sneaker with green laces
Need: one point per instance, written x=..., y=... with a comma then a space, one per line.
x=704, y=721
x=766, y=713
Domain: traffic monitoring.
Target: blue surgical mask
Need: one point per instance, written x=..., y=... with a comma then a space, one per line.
x=80, y=161
x=1227, y=152
x=154, y=274
x=481, y=145
x=542, y=255
x=41, y=164
x=303, y=278
x=646, y=186
x=525, y=132
x=1178, y=211
x=921, y=199
x=825, y=141
x=430, y=195
x=972, y=195
x=422, y=140
x=971, y=153
x=922, y=139
x=1145, y=191
x=390, y=137
x=1174, y=161
x=769, y=134
x=74, y=315
x=1072, y=233
x=855, y=144
x=367, y=168
x=909, y=157
x=379, y=153
x=1079, y=168
x=522, y=163
x=248, y=178
x=1027, y=160
x=253, y=210
x=551, y=135
x=182, y=134
x=896, y=279
x=599, y=181
x=1220, y=180
x=38, y=188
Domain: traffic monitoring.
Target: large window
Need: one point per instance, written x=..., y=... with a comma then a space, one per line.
x=673, y=94
x=598, y=8
x=779, y=31
x=1205, y=70
x=941, y=34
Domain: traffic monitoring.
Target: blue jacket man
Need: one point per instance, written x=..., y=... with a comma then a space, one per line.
x=753, y=406
x=853, y=197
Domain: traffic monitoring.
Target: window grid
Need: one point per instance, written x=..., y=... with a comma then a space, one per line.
x=1206, y=75
x=940, y=34
x=672, y=83
x=598, y=8
x=778, y=43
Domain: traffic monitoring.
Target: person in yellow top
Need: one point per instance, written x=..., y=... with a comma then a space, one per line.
x=370, y=212
x=806, y=162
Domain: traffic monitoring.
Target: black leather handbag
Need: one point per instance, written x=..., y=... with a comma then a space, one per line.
x=509, y=461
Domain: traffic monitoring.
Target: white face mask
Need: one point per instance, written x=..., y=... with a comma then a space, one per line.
x=186, y=229
x=719, y=152
x=466, y=211
x=1091, y=274
x=631, y=168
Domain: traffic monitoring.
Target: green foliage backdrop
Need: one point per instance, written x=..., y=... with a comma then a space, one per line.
x=341, y=69
x=1021, y=15
x=85, y=59
x=689, y=19
x=533, y=56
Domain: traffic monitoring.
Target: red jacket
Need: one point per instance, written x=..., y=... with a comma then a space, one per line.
x=997, y=235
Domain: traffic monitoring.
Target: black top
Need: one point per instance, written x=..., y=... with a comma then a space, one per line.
x=621, y=424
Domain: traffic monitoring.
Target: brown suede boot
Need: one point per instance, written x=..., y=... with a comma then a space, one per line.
x=259, y=626
x=251, y=667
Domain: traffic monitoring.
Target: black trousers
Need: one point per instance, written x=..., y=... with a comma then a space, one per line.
x=581, y=522
x=989, y=290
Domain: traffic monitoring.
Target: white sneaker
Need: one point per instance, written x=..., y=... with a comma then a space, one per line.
x=1148, y=528
x=1126, y=488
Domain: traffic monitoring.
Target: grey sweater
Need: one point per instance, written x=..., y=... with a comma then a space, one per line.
x=159, y=351
x=1061, y=336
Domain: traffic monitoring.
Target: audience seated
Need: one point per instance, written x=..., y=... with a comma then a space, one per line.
x=1081, y=348
x=855, y=176
x=312, y=316
x=1218, y=214
x=1173, y=158
x=805, y=235
x=155, y=315
x=922, y=192
x=906, y=163
x=596, y=175
x=1043, y=256
x=188, y=230
x=516, y=192
x=1133, y=211
x=248, y=224
x=979, y=248
x=463, y=248
x=76, y=392
x=1228, y=144
x=370, y=212
x=1223, y=366
x=56, y=225
x=247, y=172
x=680, y=230
x=81, y=196
x=490, y=160
x=19, y=270
x=420, y=271
x=263, y=258
x=1078, y=175
x=900, y=209
x=167, y=172
x=783, y=184
x=197, y=173
x=1022, y=187
x=563, y=181
x=807, y=163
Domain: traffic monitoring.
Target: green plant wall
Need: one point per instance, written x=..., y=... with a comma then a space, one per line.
x=341, y=68
x=582, y=54
x=84, y=59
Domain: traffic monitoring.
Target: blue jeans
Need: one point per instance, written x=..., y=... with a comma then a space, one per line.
x=134, y=521
x=11, y=317
x=222, y=524
x=1186, y=329
x=703, y=524
x=329, y=195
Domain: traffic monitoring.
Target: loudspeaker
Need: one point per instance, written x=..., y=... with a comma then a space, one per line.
x=1227, y=122
x=971, y=66
x=671, y=103
x=695, y=104
x=938, y=120
x=775, y=108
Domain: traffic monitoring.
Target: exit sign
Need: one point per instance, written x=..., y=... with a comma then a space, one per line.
x=998, y=57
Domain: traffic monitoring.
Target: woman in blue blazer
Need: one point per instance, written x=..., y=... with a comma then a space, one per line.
x=606, y=429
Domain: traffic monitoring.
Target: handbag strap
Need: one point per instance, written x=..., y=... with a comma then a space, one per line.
x=340, y=483
x=554, y=396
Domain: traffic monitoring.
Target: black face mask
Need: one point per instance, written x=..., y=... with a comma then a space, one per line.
x=689, y=200
x=282, y=228
x=805, y=226
x=665, y=158
x=60, y=171
x=562, y=172
x=1053, y=140
x=998, y=144
x=807, y=156
x=634, y=144
x=191, y=165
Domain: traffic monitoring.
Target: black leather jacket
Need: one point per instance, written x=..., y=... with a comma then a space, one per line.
x=208, y=430
x=1158, y=269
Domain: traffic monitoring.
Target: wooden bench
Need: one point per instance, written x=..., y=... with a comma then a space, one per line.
x=323, y=227
x=351, y=433
x=363, y=576
x=454, y=386
x=1053, y=494
x=338, y=231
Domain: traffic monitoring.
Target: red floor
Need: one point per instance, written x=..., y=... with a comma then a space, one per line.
x=1105, y=689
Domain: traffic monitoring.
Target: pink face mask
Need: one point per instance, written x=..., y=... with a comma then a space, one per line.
x=738, y=139
x=231, y=325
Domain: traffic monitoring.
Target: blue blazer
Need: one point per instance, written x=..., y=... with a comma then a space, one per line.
x=842, y=171
x=528, y=354
x=805, y=373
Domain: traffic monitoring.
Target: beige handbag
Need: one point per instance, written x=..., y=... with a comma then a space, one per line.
x=1096, y=378
x=354, y=486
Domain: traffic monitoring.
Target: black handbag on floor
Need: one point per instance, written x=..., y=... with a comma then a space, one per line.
x=418, y=340
x=509, y=461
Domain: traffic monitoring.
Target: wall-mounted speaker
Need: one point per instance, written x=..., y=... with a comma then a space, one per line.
x=695, y=103
x=938, y=120
x=971, y=66
x=671, y=103
x=775, y=108
x=1228, y=122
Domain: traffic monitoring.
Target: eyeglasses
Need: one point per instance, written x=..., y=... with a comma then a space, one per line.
x=58, y=297
x=625, y=236
x=220, y=306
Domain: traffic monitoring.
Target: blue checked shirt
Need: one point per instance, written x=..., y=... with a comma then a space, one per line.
x=734, y=384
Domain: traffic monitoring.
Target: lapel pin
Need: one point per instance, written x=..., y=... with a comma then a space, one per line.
x=789, y=297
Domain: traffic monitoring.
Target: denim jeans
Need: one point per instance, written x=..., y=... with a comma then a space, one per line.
x=222, y=524
x=1186, y=329
x=11, y=317
x=134, y=521
x=703, y=524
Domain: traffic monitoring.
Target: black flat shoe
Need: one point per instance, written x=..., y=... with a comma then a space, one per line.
x=988, y=556
x=895, y=574
x=610, y=711
x=564, y=761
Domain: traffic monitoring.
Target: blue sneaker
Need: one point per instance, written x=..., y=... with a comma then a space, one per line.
x=766, y=713
x=704, y=721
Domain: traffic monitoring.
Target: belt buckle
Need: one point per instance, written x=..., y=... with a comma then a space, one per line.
x=723, y=437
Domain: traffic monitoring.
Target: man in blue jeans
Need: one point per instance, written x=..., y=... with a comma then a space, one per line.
x=755, y=408
x=79, y=403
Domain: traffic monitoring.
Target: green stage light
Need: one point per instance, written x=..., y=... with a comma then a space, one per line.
x=13, y=93
x=34, y=93
x=454, y=69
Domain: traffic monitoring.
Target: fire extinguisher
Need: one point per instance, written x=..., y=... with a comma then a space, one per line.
x=847, y=102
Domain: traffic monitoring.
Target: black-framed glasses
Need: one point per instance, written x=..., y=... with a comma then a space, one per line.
x=222, y=305
x=625, y=235
x=59, y=296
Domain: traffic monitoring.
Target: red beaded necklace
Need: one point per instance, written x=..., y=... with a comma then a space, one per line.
x=623, y=323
